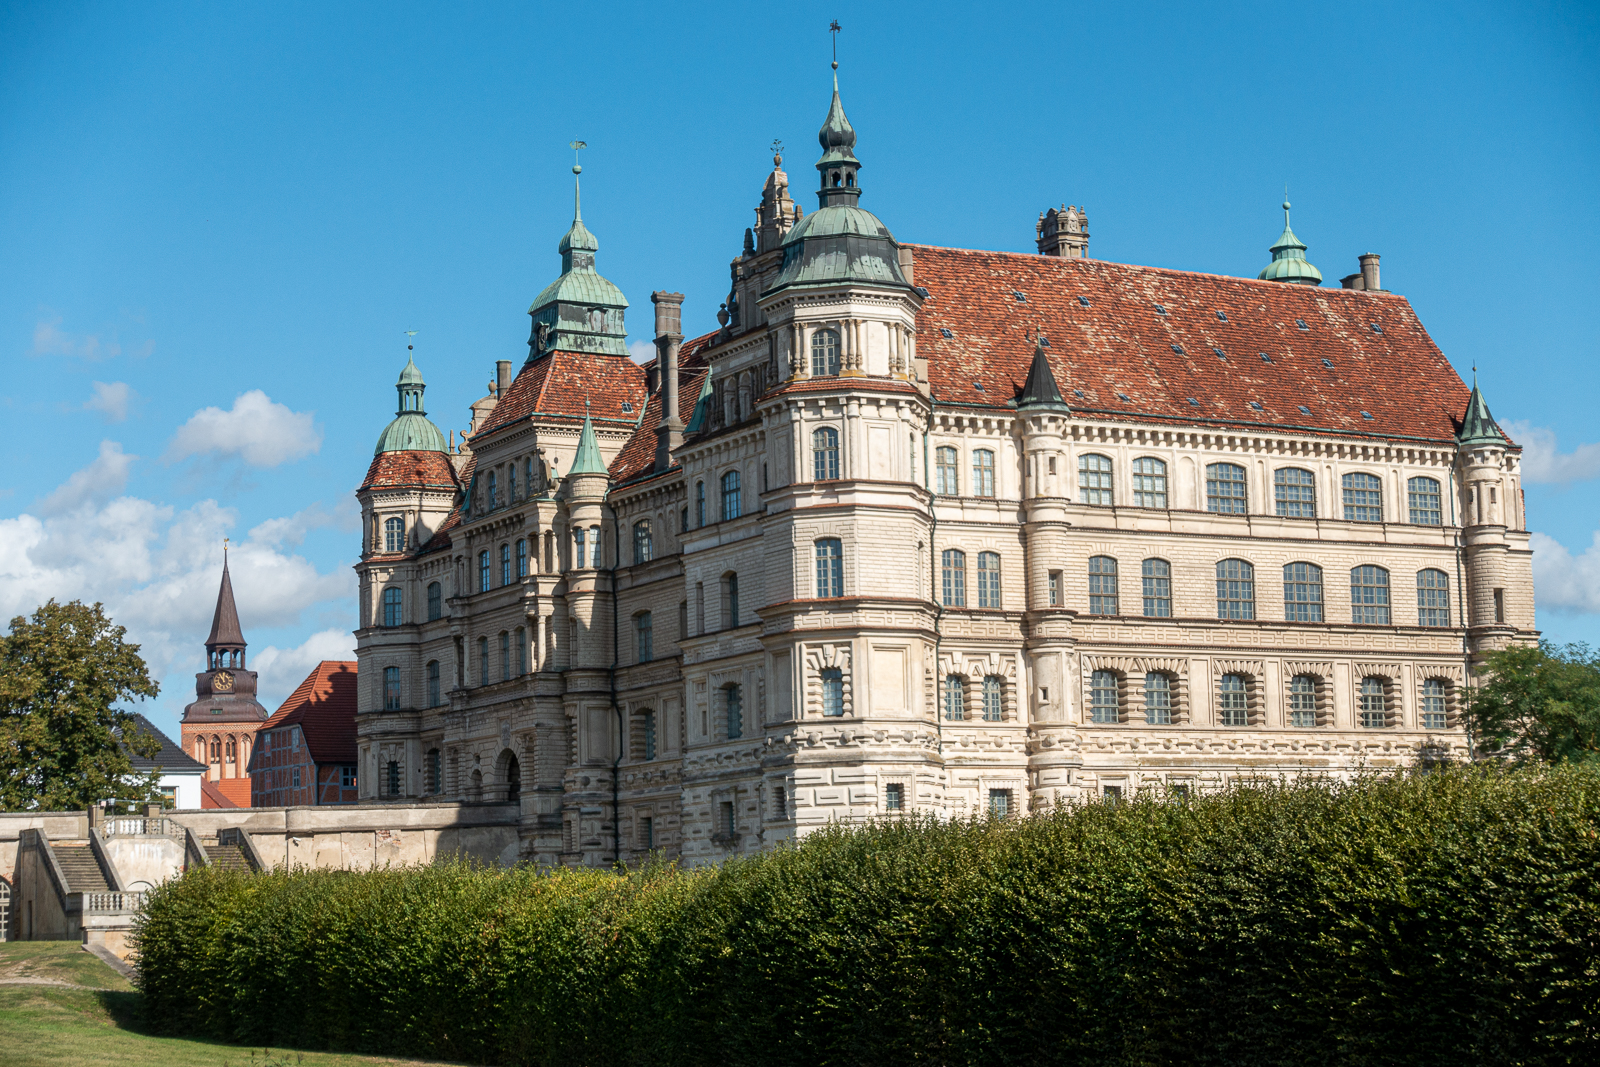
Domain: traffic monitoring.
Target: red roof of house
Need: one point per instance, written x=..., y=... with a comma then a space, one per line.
x=558, y=383
x=1139, y=342
x=638, y=456
x=324, y=707
x=225, y=793
x=396, y=470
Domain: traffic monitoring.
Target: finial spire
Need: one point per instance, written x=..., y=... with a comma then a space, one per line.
x=577, y=169
x=833, y=31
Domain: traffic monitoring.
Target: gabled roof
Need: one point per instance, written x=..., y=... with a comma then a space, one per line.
x=410, y=470
x=224, y=793
x=557, y=383
x=171, y=759
x=324, y=707
x=1152, y=335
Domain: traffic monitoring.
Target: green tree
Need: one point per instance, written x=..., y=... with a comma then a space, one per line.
x=1539, y=704
x=61, y=740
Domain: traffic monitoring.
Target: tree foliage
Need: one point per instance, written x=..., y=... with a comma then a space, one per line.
x=61, y=737
x=1540, y=704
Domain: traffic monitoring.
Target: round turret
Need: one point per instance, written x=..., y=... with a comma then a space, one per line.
x=1289, y=259
x=411, y=430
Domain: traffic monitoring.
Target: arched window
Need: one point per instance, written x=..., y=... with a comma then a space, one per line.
x=1363, y=498
x=505, y=656
x=433, y=685
x=231, y=750
x=953, y=573
x=1157, y=699
x=494, y=496
x=643, y=542
x=1433, y=598
x=988, y=579
x=394, y=534
x=947, y=472
x=522, y=557
x=1233, y=701
x=993, y=704
x=513, y=779
x=647, y=727
x=955, y=698
x=1295, y=493
x=1102, y=585
x=733, y=710
x=483, y=571
x=1303, y=700
x=699, y=504
x=391, y=607
x=645, y=636
x=435, y=601
x=832, y=691
x=505, y=564
x=511, y=483
x=1103, y=697
x=1433, y=710
x=825, y=454
x=1236, y=589
x=830, y=567
x=825, y=350
x=579, y=559
x=216, y=749
x=1149, y=483
x=521, y=640
x=730, y=600
x=1157, y=576
x=391, y=689
x=1423, y=496
x=730, y=496
x=1225, y=488
x=1094, y=480
x=483, y=661
x=1369, y=595
x=1374, y=703
x=1302, y=592
x=982, y=472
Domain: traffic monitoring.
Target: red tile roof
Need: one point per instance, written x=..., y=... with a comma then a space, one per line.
x=877, y=383
x=1120, y=343
x=395, y=470
x=638, y=456
x=225, y=793
x=324, y=707
x=557, y=384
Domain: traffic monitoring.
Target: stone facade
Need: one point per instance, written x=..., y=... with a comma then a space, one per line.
x=936, y=531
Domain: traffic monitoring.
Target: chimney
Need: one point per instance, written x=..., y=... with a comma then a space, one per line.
x=1063, y=232
x=669, y=337
x=908, y=266
x=1369, y=273
x=502, y=376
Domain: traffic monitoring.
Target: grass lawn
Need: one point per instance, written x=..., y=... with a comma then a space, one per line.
x=47, y=1018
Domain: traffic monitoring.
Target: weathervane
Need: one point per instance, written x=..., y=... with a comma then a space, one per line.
x=833, y=28
x=777, y=152
x=409, y=335
x=576, y=146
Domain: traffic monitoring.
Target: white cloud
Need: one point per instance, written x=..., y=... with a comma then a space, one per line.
x=257, y=429
x=642, y=351
x=49, y=339
x=1564, y=582
x=281, y=669
x=103, y=478
x=1541, y=462
x=292, y=530
x=110, y=399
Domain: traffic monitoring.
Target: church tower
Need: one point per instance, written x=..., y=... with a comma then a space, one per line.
x=219, y=727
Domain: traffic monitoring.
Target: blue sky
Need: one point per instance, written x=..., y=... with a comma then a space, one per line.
x=217, y=220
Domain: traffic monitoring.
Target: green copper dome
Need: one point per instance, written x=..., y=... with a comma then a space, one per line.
x=411, y=430
x=1289, y=259
x=579, y=311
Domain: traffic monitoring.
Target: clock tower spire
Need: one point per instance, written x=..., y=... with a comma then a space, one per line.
x=219, y=728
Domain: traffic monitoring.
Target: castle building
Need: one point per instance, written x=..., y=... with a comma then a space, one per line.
x=921, y=529
x=219, y=727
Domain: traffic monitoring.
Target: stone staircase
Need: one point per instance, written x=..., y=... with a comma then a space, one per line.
x=80, y=867
x=227, y=857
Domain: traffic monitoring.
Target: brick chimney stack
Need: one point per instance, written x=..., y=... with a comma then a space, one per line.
x=669, y=338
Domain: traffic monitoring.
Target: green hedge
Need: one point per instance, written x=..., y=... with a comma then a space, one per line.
x=1447, y=918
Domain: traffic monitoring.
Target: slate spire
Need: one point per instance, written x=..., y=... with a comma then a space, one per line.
x=1477, y=425
x=587, y=460
x=1039, y=392
x=226, y=636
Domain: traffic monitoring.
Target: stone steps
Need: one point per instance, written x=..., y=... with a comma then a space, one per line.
x=78, y=864
x=227, y=857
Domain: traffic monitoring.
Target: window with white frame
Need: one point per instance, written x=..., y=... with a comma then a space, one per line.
x=644, y=636
x=1157, y=699
x=953, y=577
x=1149, y=483
x=1102, y=585
x=1374, y=703
x=392, y=603
x=1094, y=480
x=825, y=454
x=1302, y=592
x=394, y=534
x=391, y=689
x=947, y=472
x=579, y=557
x=955, y=698
x=1103, y=697
x=1156, y=577
x=830, y=567
x=1363, y=497
x=1294, y=491
x=832, y=692
x=988, y=579
x=1369, y=595
x=1303, y=700
x=1425, y=502
x=643, y=542
x=1000, y=804
x=1236, y=589
x=1433, y=711
x=982, y=472
x=993, y=698
x=1225, y=493
x=894, y=796
x=1233, y=701
x=1433, y=598
x=825, y=352
x=483, y=571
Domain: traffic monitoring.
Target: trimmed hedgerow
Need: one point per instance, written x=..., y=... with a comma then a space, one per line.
x=1443, y=918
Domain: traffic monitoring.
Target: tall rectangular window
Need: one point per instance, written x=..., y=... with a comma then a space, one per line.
x=435, y=772
x=733, y=711
x=1425, y=500
x=1103, y=697
x=522, y=557
x=999, y=803
x=483, y=661
x=1303, y=700
x=1374, y=704
x=953, y=575
x=1433, y=598
x=1094, y=480
x=1225, y=488
x=699, y=504
x=483, y=571
x=1149, y=483
x=1369, y=595
x=579, y=562
x=647, y=833
x=825, y=352
x=648, y=728
x=1236, y=589
x=433, y=683
x=726, y=820
x=435, y=601
x=1055, y=589
x=993, y=698
x=1295, y=493
x=505, y=564
x=1157, y=580
x=730, y=601
x=1233, y=703
x=1302, y=592
x=521, y=640
x=830, y=567
x=730, y=496
x=894, y=797
x=394, y=534
x=505, y=656
x=392, y=604
x=1363, y=498
x=982, y=472
x=825, y=454
x=988, y=579
x=947, y=472
x=832, y=691
x=1433, y=704
x=391, y=688
x=1102, y=585
x=644, y=547
x=955, y=698
x=392, y=778
x=645, y=636
x=1157, y=699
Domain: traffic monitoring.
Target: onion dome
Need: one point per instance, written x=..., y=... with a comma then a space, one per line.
x=1289, y=259
x=579, y=311
x=411, y=430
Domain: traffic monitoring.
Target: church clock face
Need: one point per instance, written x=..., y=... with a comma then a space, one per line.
x=222, y=682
